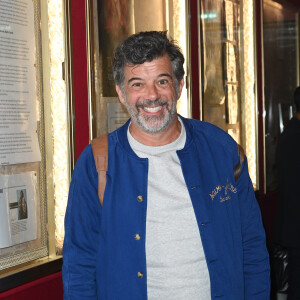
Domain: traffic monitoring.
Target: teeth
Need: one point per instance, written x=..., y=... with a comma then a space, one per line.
x=152, y=109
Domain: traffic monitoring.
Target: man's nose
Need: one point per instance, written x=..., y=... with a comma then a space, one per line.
x=152, y=92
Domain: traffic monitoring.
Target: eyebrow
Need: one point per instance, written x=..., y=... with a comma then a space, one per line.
x=165, y=75
x=134, y=78
x=160, y=75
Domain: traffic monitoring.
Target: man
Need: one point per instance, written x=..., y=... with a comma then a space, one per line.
x=287, y=224
x=174, y=223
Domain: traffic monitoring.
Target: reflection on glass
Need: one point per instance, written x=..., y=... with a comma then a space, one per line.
x=280, y=66
x=115, y=24
x=228, y=71
x=232, y=110
x=111, y=22
x=213, y=76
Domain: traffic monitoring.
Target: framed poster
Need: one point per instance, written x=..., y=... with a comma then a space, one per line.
x=115, y=24
x=23, y=220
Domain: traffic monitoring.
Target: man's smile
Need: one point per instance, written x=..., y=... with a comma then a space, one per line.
x=152, y=106
x=151, y=109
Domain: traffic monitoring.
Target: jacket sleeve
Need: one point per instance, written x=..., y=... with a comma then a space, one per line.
x=82, y=224
x=255, y=255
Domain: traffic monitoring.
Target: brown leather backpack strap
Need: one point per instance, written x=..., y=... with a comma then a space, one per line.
x=238, y=168
x=100, y=151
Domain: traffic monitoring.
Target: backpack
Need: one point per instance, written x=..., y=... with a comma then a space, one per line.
x=100, y=152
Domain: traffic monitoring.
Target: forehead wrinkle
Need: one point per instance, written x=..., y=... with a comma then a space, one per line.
x=151, y=70
x=158, y=76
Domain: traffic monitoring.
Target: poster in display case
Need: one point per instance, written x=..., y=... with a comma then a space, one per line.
x=23, y=235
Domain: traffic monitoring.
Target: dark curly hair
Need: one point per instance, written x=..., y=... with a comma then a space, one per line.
x=144, y=47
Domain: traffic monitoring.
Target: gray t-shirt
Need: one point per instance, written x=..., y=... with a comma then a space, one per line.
x=176, y=265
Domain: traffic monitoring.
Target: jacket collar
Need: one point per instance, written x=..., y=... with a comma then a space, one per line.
x=123, y=140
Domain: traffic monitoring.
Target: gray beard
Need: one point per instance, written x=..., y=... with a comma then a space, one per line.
x=152, y=124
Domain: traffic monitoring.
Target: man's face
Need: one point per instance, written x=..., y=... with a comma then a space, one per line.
x=150, y=95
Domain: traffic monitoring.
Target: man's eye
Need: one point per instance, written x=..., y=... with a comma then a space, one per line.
x=137, y=84
x=163, y=82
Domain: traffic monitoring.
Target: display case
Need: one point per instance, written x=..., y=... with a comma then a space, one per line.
x=227, y=68
x=35, y=139
x=110, y=22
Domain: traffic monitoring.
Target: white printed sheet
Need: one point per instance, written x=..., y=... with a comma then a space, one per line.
x=17, y=209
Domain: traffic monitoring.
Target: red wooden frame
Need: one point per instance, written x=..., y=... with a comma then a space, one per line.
x=78, y=16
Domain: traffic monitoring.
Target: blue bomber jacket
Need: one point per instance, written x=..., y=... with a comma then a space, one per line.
x=103, y=260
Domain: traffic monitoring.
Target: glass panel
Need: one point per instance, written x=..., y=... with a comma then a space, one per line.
x=228, y=98
x=110, y=23
x=23, y=232
x=32, y=207
x=281, y=65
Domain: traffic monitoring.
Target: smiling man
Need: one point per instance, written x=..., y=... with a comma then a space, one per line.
x=150, y=92
x=177, y=221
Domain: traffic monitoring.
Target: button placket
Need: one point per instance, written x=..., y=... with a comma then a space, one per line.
x=137, y=236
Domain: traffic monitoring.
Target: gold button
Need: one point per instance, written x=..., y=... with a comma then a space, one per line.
x=140, y=198
x=137, y=237
x=140, y=275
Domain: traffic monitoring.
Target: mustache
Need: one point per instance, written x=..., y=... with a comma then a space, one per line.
x=151, y=103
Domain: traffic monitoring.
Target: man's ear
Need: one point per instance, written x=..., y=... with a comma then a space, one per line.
x=181, y=84
x=120, y=94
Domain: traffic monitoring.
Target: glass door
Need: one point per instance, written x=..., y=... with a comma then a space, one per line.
x=281, y=74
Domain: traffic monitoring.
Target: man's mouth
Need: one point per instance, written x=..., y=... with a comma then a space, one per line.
x=152, y=109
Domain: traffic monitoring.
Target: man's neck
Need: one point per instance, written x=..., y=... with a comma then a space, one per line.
x=161, y=138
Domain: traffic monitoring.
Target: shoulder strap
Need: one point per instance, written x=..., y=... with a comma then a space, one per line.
x=238, y=168
x=100, y=151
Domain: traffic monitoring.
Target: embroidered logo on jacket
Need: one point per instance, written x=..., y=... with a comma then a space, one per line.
x=223, y=191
